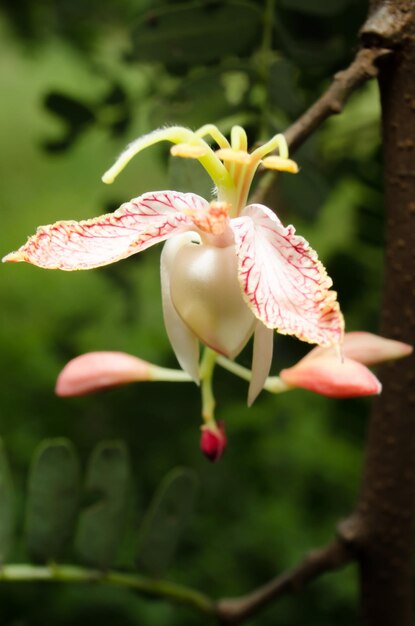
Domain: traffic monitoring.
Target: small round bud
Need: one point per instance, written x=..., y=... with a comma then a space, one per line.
x=213, y=441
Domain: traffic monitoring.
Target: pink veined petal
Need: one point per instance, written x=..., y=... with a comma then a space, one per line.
x=329, y=376
x=135, y=226
x=183, y=341
x=96, y=371
x=282, y=279
x=367, y=348
x=261, y=360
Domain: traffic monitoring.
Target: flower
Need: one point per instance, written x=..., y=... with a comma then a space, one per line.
x=229, y=270
x=322, y=371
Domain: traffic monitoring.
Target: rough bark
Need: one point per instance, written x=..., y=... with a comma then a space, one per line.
x=385, y=515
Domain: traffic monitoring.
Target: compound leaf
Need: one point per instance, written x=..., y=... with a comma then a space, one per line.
x=53, y=499
x=165, y=521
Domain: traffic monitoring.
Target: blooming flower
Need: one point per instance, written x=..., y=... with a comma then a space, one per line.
x=229, y=270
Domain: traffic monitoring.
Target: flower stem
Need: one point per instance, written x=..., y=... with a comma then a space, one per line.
x=169, y=375
x=273, y=384
x=70, y=573
x=206, y=372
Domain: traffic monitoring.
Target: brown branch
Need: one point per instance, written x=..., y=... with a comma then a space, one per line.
x=331, y=557
x=363, y=67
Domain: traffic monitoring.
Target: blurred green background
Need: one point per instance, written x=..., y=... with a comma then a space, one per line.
x=78, y=81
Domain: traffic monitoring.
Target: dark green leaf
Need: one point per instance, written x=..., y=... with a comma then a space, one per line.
x=116, y=110
x=166, y=520
x=73, y=112
x=6, y=506
x=189, y=176
x=53, y=498
x=75, y=115
x=101, y=523
x=60, y=145
x=284, y=91
x=316, y=7
x=203, y=32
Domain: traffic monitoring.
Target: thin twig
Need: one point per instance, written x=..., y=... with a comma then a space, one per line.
x=331, y=557
x=363, y=68
x=156, y=588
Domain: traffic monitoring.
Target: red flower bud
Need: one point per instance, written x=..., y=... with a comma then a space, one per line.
x=213, y=441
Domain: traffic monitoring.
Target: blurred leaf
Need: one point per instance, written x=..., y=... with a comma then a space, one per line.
x=116, y=111
x=316, y=7
x=101, y=523
x=188, y=175
x=284, y=91
x=6, y=505
x=53, y=498
x=355, y=133
x=60, y=145
x=307, y=192
x=74, y=114
x=166, y=520
x=308, y=43
x=71, y=110
x=202, y=32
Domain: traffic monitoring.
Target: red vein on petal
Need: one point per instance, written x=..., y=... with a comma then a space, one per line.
x=282, y=279
x=135, y=226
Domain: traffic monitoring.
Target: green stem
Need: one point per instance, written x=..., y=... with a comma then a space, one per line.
x=273, y=384
x=73, y=574
x=206, y=372
x=170, y=375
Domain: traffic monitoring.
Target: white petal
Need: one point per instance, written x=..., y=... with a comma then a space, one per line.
x=206, y=294
x=261, y=360
x=135, y=226
x=282, y=279
x=184, y=343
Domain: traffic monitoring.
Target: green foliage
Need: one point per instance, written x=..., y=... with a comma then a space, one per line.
x=166, y=520
x=291, y=469
x=177, y=35
x=101, y=524
x=54, y=508
x=7, y=506
x=52, y=500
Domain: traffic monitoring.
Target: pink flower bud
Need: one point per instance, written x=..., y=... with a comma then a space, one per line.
x=329, y=376
x=95, y=371
x=213, y=441
x=367, y=348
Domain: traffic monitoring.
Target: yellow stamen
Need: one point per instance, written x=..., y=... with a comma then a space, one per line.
x=280, y=164
x=188, y=151
x=239, y=140
x=278, y=141
x=233, y=156
x=214, y=132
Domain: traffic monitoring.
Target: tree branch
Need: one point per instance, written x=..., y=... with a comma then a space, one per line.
x=363, y=67
x=162, y=589
x=331, y=557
